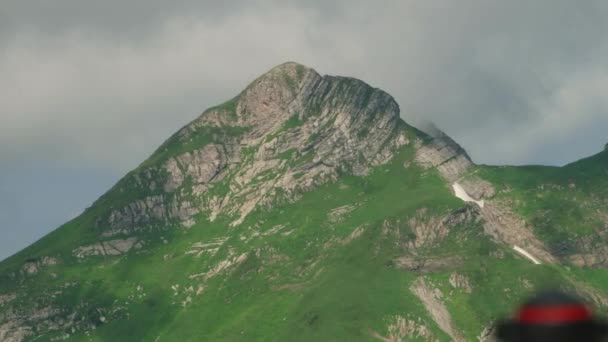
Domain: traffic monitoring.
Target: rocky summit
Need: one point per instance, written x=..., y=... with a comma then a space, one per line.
x=306, y=209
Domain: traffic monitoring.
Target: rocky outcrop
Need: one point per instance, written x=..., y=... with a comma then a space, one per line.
x=199, y=166
x=18, y=326
x=342, y=124
x=477, y=188
x=338, y=214
x=444, y=154
x=487, y=334
x=108, y=248
x=157, y=209
x=210, y=247
x=48, y=321
x=432, y=299
x=460, y=282
x=424, y=265
x=404, y=329
x=34, y=265
x=427, y=232
x=506, y=227
x=430, y=230
x=288, y=132
x=14, y=331
x=500, y=222
x=138, y=213
x=590, y=251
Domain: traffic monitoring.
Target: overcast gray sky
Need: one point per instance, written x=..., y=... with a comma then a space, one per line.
x=90, y=88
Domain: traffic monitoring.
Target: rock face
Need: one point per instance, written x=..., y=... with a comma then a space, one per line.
x=504, y=226
x=32, y=266
x=443, y=153
x=106, y=248
x=459, y=281
x=593, y=251
x=432, y=300
x=432, y=230
x=286, y=133
x=403, y=329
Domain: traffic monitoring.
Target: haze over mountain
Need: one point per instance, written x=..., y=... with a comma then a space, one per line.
x=306, y=209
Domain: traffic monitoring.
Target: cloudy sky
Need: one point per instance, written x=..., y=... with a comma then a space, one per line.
x=90, y=88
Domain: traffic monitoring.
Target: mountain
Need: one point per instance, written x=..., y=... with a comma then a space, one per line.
x=305, y=209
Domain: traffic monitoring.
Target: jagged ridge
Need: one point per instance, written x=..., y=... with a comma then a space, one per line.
x=302, y=127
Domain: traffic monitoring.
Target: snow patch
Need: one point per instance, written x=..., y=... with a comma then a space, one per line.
x=463, y=195
x=526, y=254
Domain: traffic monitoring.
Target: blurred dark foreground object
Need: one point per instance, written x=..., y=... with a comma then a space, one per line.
x=553, y=316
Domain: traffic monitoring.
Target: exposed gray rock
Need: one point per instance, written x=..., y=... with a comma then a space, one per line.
x=501, y=223
x=430, y=230
x=336, y=130
x=403, y=329
x=443, y=153
x=336, y=124
x=33, y=266
x=459, y=281
x=477, y=188
x=432, y=298
x=487, y=334
x=183, y=211
x=427, y=265
x=139, y=212
x=204, y=164
x=338, y=214
x=175, y=176
x=14, y=331
x=18, y=326
x=505, y=226
x=108, y=248
x=589, y=251
x=200, y=165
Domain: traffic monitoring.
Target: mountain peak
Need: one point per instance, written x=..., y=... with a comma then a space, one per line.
x=284, y=202
x=302, y=128
x=289, y=67
x=288, y=74
x=294, y=89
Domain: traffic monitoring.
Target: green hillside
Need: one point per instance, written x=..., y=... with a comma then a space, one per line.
x=305, y=209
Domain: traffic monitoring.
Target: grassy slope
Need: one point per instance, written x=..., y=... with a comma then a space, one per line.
x=317, y=289
x=313, y=293
x=561, y=203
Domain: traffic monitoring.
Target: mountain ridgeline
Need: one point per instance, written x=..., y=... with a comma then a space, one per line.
x=306, y=209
